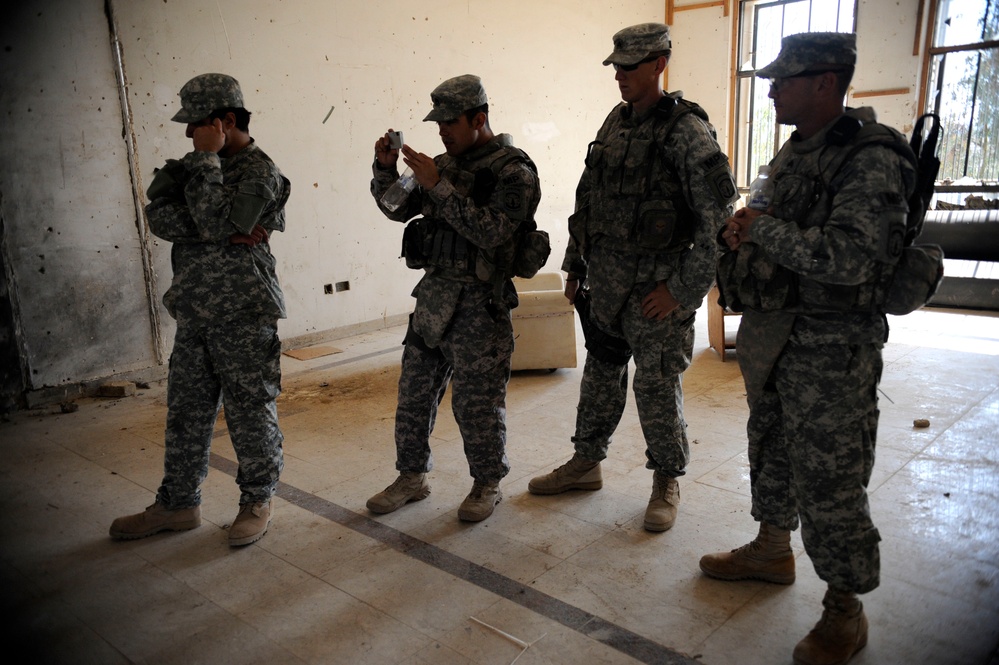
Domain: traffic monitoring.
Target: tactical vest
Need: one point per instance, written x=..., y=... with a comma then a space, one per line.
x=636, y=196
x=433, y=244
x=748, y=278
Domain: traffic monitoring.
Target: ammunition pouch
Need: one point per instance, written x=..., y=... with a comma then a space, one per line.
x=746, y=278
x=427, y=242
x=533, y=249
x=914, y=279
x=656, y=224
x=417, y=242
x=603, y=346
x=169, y=181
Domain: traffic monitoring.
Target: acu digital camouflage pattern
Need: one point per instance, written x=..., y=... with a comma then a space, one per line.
x=456, y=95
x=226, y=300
x=239, y=363
x=812, y=433
x=648, y=207
x=206, y=93
x=458, y=331
x=799, y=53
x=812, y=370
x=634, y=43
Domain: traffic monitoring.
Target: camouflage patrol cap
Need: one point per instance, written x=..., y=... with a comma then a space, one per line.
x=206, y=93
x=811, y=50
x=635, y=43
x=455, y=96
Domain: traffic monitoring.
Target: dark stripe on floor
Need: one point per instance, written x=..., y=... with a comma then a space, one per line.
x=640, y=648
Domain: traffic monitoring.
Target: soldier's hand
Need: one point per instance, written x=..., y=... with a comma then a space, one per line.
x=256, y=236
x=571, y=288
x=385, y=155
x=209, y=137
x=737, y=227
x=659, y=303
x=423, y=167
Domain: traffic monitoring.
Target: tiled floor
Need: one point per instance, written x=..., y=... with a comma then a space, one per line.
x=575, y=576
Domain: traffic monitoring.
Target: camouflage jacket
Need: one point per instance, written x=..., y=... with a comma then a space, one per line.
x=197, y=203
x=833, y=230
x=486, y=222
x=654, y=193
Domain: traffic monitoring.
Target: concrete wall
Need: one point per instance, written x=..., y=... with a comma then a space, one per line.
x=324, y=79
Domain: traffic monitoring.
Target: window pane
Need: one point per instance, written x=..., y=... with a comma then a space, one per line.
x=966, y=86
x=983, y=158
x=965, y=22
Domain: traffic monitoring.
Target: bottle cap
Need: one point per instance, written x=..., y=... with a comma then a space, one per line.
x=764, y=169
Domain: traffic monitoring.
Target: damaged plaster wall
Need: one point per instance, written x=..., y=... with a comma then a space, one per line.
x=69, y=216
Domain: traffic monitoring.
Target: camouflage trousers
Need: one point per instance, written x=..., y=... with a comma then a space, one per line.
x=811, y=452
x=237, y=364
x=661, y=352
x=474, y=356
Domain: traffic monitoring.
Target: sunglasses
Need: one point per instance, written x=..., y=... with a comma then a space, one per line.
x=631, y=68
x=777, y=83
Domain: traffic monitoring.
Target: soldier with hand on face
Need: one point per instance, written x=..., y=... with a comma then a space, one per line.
x=218, y=205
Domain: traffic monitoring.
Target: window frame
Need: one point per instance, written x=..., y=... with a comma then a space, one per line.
x=930, y=98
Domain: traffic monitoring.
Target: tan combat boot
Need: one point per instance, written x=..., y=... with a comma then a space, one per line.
x=479, y=503
x=576, y=474
x=154, y=519
x=768, y=557
x=250, y=524
x=661, y=512
x=839, y=634
x=407, y=487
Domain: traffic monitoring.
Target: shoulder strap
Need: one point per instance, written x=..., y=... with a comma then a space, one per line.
x=507, y=155
x=670, y=109
x=919, y=153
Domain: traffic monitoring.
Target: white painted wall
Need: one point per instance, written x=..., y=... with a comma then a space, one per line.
x=324, y=79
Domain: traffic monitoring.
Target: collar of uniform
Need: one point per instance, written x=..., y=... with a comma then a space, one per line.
x=865, y=114
x=495, y=143
x=250, y=147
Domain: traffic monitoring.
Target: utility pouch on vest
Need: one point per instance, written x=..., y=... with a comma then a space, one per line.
x=533, y=249
x=655, y=224
x=168, y=181
x=746, y=278
x=914, y=280
x=417, y=242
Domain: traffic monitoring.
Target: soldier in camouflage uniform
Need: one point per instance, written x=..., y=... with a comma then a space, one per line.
x=472, y=199
x=218, y=205
x=811, y=336
x=655, y=192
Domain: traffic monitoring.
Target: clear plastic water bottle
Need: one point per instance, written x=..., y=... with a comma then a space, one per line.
x=761, y=190
x=399, y=191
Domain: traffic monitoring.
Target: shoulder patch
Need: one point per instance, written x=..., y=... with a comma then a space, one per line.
x=719, y=177
x=713, y=162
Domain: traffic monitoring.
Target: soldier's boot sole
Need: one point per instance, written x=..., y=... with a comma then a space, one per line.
x=590, y=486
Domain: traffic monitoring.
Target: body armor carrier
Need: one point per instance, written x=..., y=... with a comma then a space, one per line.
x=636, y=196
x=433, y=244
x=748, y=278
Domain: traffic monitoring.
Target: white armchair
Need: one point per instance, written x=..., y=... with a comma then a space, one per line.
x=544, y=325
